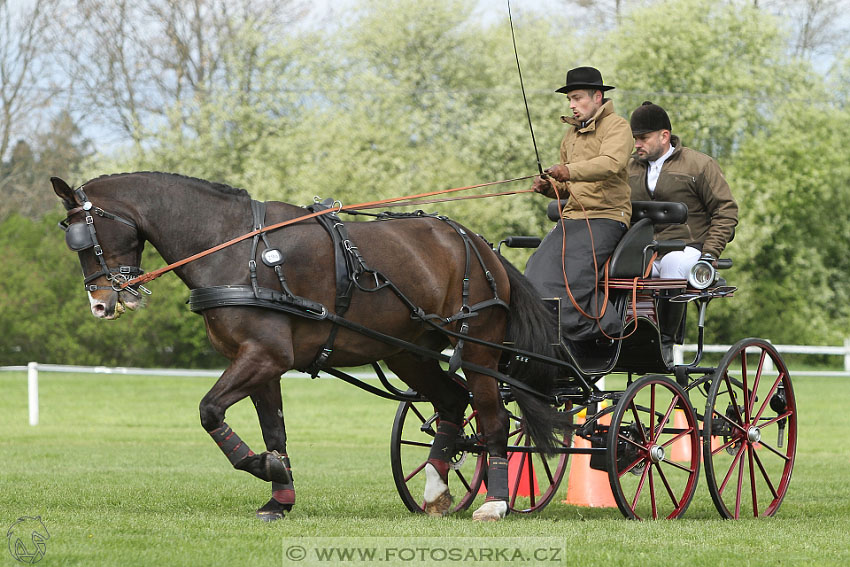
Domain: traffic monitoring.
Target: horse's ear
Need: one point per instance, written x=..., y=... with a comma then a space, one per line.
x=64, y=191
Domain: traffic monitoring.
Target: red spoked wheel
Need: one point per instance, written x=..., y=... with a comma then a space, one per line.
x=414, y=428
x=653, y=452
x=750, y=431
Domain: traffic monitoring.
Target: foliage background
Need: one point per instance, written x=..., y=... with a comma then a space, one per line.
x=401, y=97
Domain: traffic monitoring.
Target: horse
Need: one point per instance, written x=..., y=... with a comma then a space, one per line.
x=436, y=300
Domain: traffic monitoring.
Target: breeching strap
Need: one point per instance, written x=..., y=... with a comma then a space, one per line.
x=144, y=278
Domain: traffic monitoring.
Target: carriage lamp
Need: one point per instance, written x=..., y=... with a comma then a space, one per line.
x=702, y=275
x=272, y=257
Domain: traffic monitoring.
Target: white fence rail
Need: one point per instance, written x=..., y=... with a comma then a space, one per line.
x=33, y=368
x=679, y=351
x=843, y=351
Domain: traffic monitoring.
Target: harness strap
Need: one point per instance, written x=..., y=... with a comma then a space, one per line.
x=116, y=276
x=201, y=299
x=347, y=268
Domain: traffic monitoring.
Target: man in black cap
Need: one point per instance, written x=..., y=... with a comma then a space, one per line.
x=592, y=177
x=662, y=169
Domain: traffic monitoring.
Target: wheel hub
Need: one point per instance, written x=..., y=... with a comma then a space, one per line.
x=753, y=434
x=656, y=453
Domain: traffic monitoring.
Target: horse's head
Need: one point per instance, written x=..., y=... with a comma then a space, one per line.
x=109, y=247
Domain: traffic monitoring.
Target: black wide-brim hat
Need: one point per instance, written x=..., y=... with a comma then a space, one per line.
x=584, y=78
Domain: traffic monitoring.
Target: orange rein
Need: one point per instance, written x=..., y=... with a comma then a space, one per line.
x=596, y=318
x=150, y=276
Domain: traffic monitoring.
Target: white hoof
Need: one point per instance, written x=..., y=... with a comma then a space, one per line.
x=438, y=499
x=491, y=511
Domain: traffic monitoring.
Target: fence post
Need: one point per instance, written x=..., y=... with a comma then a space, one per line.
x=32, y=389
x=847, y=354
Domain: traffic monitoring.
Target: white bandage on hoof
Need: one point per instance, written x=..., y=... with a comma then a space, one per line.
x=438, y=499
x=491, y=511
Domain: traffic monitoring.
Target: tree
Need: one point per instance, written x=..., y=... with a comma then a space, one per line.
x=45, y=316
x=717, y=67
x=25, y=61
x=58, y=151
x=149, y=66
x=795, y=227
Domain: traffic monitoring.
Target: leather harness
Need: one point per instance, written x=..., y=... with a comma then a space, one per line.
x=351, y=273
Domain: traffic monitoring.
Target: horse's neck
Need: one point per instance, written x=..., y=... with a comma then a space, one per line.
x=197, y=220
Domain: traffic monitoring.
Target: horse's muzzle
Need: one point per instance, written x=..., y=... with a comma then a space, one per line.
x=110, y=305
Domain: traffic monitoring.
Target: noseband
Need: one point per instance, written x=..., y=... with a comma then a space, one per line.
x=81, y=236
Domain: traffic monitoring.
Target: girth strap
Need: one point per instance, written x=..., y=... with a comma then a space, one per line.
x=348, y=266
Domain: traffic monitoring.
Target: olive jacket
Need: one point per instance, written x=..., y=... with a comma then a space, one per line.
x=597, y=154
x=695, y=179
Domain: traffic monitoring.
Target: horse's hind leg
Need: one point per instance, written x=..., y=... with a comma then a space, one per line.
x=269, y=405
x=493, y=419
x=450, y=400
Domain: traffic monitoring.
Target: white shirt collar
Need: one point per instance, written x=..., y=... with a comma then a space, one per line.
x=660, y=161
x=654, y=170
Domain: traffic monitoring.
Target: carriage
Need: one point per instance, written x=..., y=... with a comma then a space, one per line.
x=378, y=294
x=736, y=418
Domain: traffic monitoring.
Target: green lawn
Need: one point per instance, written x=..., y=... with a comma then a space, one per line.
x=121, y=473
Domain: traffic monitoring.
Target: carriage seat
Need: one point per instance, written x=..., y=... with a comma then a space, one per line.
x=659, y=212
x=629, y=259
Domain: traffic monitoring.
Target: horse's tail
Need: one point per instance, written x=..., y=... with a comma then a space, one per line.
x=532, y=326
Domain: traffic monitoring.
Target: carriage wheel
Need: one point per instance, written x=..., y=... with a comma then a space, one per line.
x=653, y=450
x=414, y=428
x=750, y=431
x=533, y=477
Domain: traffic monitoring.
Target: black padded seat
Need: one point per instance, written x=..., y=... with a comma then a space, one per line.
x=659, y=212
x=628, y=259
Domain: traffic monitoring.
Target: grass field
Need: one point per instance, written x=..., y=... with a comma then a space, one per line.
x=121, y=473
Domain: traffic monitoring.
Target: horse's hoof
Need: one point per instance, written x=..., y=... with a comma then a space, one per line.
x=273, y=510
x=440, y=506
x=269, y=516
x=491, y=511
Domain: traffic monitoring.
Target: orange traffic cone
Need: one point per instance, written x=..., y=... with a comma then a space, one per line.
x=587, y=486
x=521, y=474
x=522, y=468
x=681, y=452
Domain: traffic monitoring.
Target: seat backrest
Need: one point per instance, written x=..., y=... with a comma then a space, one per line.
x=628, y=260
x=659, y=212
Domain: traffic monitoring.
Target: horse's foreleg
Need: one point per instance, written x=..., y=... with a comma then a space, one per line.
x=269, y=406
x=241, y=378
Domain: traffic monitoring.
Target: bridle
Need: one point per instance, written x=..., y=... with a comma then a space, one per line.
x=81, y=235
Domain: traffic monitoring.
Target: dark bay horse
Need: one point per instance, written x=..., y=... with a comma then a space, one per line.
x=111, y=217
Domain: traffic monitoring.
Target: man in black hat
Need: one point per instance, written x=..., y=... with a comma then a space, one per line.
x=592, y=177
x=662, y=169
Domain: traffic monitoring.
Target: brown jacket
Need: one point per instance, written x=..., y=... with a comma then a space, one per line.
x=693, y=178
x=597, y=154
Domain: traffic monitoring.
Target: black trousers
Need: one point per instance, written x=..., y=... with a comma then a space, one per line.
x=546, y=272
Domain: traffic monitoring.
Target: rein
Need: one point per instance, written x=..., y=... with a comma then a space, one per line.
x=145, y=278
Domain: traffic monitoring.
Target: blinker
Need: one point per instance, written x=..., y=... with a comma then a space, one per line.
x=78, y=237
